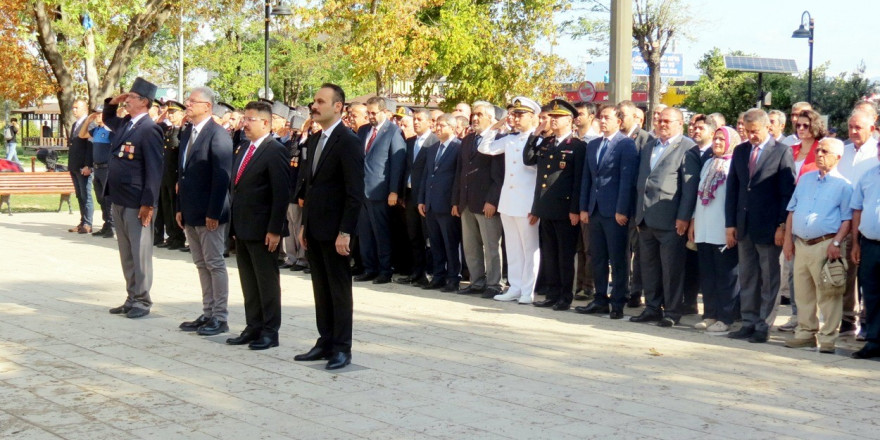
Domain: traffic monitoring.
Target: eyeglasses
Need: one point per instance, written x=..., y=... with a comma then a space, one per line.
x=667, y=121
x=192, y=101
x=802, y=125
x=253, y=119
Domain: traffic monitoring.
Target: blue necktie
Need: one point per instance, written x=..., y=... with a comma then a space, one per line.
x=602, y=149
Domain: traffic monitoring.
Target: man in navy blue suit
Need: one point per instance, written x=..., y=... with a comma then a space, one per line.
x=435, y=204
x=205, y=166
x=607, y=203
x=133, y=189
x=384, y=163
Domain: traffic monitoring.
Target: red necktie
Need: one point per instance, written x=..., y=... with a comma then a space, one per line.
x=372, y=138
x=753, y=161
x=244, y=162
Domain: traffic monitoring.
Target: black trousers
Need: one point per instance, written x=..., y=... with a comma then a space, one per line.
x=261, y=286
x=416, y=232
x=167, y=215
x=718, y=276
x=692, y=279
x=662, y=253
x=608, y=245
x=331, y=284
x=558, y=248
x=444, y=231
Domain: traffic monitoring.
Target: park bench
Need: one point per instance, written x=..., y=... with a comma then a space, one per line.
x=36, y=183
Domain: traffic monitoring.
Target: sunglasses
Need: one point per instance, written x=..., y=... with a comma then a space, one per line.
x=802, y=125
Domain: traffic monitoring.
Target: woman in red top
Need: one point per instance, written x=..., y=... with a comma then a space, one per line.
x=810, y=129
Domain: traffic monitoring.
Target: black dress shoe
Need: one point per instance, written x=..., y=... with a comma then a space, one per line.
x=437, y=283
x=191, y=326
x=123, y=309
x=867, y=352
x=584, y=295
x=307, y=271
x=421, y=281
x=99, y=232
x=184, y=249
x=382, y=279
x=298, y=267
x=593, y=308
x=666, y=322
x=226, y=255
x=285, y=266
x=545, y=303
x=315, y=354
x=743, y=333
x=264, y=342
x=784, y=301
x=561, y=306
x=759, y=337
x=175, y=245
x=616, y=314
x=357, y=270
x=137, y=313
x=646, y=316
x=160, y=243
x=366, y=277
x=490, y=293
x=108, y=233
x=472, y=289
x=338, y=360
x=245, y=337
x=634, y=301
x=213, y=327
x=449, y=287
x=407, y=280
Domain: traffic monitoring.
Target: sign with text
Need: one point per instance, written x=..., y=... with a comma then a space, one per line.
x=671, y=65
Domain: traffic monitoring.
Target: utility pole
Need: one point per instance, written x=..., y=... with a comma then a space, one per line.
x=621, y=51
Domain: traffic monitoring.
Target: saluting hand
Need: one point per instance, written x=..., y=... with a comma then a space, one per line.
x=119, y=99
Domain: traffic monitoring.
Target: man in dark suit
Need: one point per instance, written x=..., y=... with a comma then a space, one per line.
x=133, y=189
x=556, y=204
x=333, y=191
x=607, y=199
x=260, y=191
x=205, y=165
x=435, y=204
x=759, y=186
x=384, y=157
x=416, y=156
x=475, y=195
x=666, y=194
x=631, y=126
x=170, y=121
x=80, y=166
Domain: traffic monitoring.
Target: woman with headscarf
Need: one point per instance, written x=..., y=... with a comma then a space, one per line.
x=717, y=262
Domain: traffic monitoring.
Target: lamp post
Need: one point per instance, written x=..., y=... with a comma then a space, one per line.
x=280, y=9
x=802, y=32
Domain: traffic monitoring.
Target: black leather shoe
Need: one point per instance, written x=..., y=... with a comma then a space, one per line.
x=285, y=266
x=338, y=361
x=584, y=295
x=382, y=279
x=357, y=270
x=758, y=337
x=264, y=342
x=593, y=308
x=99, y=232
x=315, y=354
x=437, y=283
x=123, y=309
x=616, y=314
x=137, y=313
x=560, y=306
x=160, y=243
x=245, y=337
x=108, y=233
x=666, y=322
x=634, y=301
x=184, y=249
x=298, y=267
x=743, y=333
x=646, y=316
x=407, y=280
x=449, y=287
x=173, y=245
x=213, y=327
x=867, y=352
x=490, y=293
x=421, y=281
x=191, y=326
x=545, y=303
x=472, y=289
x=366, y=277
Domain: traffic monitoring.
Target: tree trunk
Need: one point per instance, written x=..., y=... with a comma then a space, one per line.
x=91, y=69
x=653, y=88
x=380, y=84
x=47, y=40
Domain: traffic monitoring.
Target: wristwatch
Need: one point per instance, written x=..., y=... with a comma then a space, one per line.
x=344, y=234
x=836, y=243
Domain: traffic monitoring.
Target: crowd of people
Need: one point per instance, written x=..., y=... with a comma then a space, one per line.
x=538, y=204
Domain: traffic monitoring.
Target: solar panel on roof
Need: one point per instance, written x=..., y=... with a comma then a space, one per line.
x=763, y=65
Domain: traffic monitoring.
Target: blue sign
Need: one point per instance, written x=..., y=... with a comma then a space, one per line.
x=671, y=65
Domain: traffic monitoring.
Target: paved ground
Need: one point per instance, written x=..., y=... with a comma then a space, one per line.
x=428, y=365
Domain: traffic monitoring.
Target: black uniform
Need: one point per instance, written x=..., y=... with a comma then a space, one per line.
x=557, y=194
x=165, y=221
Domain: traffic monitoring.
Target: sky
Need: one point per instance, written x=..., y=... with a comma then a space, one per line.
x=844, y=34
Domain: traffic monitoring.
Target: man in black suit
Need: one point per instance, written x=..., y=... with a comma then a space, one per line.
x=205, y=165
x=416, y=156
x=333, y=191
x=80, y=166
x=435, y=204
x=170, y=121
x=260, y=191
x=133, y=189
x=759, y=186
x=666, y=195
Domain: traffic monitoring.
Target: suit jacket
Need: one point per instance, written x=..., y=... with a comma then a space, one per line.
x=642, y=138
x=203, y=185
x=259, y=200
x=479, y=178
x=436, y=190
x=384, y=163
x=414, y=170
x=334, y=192
x=79, y=154
x=171, y=156
x=756, y=206
x=703, y=155
x=609, y=186
x=135, y=167
x=560, y=167
x=669, y=191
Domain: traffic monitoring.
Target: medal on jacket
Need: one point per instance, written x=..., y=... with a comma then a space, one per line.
x=294, y=161
x=130, y=152
x=561, y=164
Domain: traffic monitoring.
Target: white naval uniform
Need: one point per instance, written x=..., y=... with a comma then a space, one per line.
x=523, y=252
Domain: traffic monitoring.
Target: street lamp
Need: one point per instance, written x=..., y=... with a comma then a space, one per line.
x=802, y=32
x=280, y=9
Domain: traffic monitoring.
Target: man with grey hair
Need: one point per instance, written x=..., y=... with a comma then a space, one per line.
x=475, y=194
x=870, y=108
x=462, y=109
x=204, y=207
x=720, y=121
x=777, y=125
x=759, y=186
x=819, y=216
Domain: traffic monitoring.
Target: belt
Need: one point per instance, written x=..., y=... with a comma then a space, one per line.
x=816, y=240
x=101, y=165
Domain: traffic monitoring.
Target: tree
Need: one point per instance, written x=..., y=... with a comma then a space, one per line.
x=26, y=79
x=835, y=96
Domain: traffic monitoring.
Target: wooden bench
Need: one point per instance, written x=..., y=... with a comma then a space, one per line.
x=36, y=183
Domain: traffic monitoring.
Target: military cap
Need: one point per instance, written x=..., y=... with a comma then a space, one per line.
x=221, y=109
x=174, y=105
x=560, y=107
x=144, y=88
x=523, y=104
x=402, y=112
x=281, y=109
